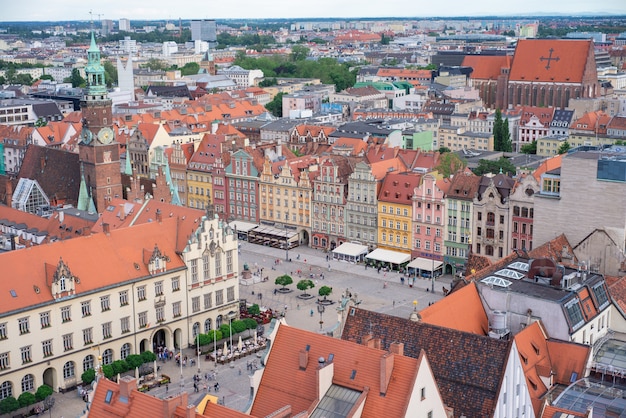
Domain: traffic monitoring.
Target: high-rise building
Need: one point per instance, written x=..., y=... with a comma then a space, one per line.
x=107, y=27
x=124, y=25
x=204, y=30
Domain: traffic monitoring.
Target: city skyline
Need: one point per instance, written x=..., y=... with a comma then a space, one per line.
x=75, y=10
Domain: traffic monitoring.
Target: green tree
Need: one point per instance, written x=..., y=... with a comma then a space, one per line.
x=275, y=107
x=26, y=398
x=443, y=150
x=284, y=281
x=225, y=328
x=489, y=166
x=267, y=82
x=88, y=376
x=24, y=79
x=76, y=79
x=529, y=148
x=565, y=146
x=119, y=366
x=299, y=53
x=254, y=309
x=108, y=372
x=41, y=121
x=8, y=405
x=501, y=134
x=43, y=392
x=46, y=77
x=325, y=291
x=148, y=356
x=191, y=68
x=384, y=39
x=304, y=285
x=110, y=74
x=249, y=323
x=449, y=163
x=10, y=75
x=134, y=361
x=155, y=64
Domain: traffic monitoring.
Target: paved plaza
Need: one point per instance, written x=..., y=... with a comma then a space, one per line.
x=365, y=285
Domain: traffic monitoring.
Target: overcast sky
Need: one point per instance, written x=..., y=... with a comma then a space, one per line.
x=48, y=10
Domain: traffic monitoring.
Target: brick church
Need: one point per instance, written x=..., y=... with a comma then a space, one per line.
x=542, y=72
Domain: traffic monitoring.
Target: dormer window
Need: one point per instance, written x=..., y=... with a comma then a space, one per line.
x=62, y=285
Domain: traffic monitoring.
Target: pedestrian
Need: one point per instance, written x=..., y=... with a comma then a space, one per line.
x=167, y=388
x=275, y=291
x=285, y=308
x=195, y=386
x=311, y=312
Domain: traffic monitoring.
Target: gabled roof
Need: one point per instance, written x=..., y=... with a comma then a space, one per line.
x=356, y=366
x=547, y=165
x=398, y=188
x=464, y=185
x=468, y=368
x=461, y=310
x=486, y=67
x=119, y=256
x=550, y=60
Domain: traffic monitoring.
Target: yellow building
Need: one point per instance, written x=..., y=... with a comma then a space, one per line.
x=395, y=211
x=200, y=171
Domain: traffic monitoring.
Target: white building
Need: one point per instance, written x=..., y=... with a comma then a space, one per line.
x=170, y=48
x=243, y=78
x=124, y=25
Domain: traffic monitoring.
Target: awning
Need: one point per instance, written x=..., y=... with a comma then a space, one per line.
x=241, y=226
x=388, y=256
x=424, y=264
x=351, y=249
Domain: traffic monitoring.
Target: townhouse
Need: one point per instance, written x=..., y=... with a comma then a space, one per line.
x=395, y=211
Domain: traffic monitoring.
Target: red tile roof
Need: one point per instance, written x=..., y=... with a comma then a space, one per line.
x=486, y=67
x=550, y=60
x=398, y=188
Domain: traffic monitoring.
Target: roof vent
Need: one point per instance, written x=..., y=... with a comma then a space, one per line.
x=36, y=288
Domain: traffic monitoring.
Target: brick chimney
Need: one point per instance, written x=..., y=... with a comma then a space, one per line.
x=303, y=359
x=106, y=228
x=374, y=343
x=159, y=217
x=397, y=348
x=127, y=385
x=9, y=193
x=386, y=369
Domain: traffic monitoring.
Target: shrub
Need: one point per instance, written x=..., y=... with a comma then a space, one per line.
x=134, y=361
x=148, y=356
x=9, y=404
x=254, y=309
x=225, y=330
x=119, y=366
x=26, y=398
x=250, y=323
x=43, y=392
x=108, y=371
x=239, y=326
x=88, y=376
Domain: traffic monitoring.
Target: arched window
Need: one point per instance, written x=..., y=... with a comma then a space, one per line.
x=68, y=370
x=28, y=383
x=207, y=326
x=88, y=362
x=6, y=390
x=218, y=321
x=196, y=329
x=125, y=351
x=107, y=356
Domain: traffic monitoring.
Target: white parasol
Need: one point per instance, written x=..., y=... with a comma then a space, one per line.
x=240, y=344
x=225, y=348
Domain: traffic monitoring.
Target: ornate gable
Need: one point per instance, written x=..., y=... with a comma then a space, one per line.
x=63, y=281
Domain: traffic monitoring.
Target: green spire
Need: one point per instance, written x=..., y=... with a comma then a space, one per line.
x=83, y=194
x=128, y=169
x=96, y=86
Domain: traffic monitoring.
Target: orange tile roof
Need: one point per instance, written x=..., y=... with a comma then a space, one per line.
x=398, y=188
x=548, y=165
x=592, y=122
x=358, y=145
x=461, y=310
x=550, y=60
x=356, y=366
x=486, y=67
x=381, y=168
x=119, y=256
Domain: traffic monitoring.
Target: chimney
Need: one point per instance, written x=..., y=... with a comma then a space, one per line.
x=127, y=385
x=158, y=216
x=374, y=343
x=303, y=359
x=105, y=228
x=9, y=193
x=397, y=348
x=42, y=162
x=386, y=368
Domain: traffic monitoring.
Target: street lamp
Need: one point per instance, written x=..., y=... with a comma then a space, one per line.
x=321, y=309
x=198, y=349
x=432, y=273
x=215, y=345
x=48, y=403
x=286, y=243
x=231, y=315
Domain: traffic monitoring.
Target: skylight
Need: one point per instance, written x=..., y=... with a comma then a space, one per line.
x=496, y=281
x=518, y=265
x=511, y=274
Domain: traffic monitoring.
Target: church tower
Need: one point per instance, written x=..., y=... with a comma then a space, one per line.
x=99, y=151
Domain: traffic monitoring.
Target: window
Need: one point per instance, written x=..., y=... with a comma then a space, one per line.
x=218, y=264
x=107, y=356
x=175, y=284
x=44, y=318
x=207, y=300
x=106, y=330
x=28, y=383
x=194, y=270
x=66, y=314
x=176, y=311
x=205, y=267
x=125, y=351
x=124, y=298
x=479, y=216
x=160, y=313
x=229, y=261
x=3, y=331
x=219, y=297
x=125, y=324
x=423, y=393
x=47, y=348
x=141, y=293
x=195, y=304
x=4, y=361
x=68, y=342
x=230, y=294
x=143, y=319
x=105, y=303
x=26, y=354
x=418, y=244
x=88, y=336
x=6, y=390
x=88, y=362
x=85, y=308
x=158, y=288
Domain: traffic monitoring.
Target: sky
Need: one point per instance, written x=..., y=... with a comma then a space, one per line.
x=47, y=10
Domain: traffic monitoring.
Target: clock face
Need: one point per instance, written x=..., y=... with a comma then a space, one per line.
x=105, y=136
x=86, y=136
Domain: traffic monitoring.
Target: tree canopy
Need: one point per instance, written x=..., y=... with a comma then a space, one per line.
x=489, y=166
x=284, y=280
x=304, y=285
x=325, y=291
x=449, y=163
x=501, y=134
x=529, y=148
x=565, y=146
x=275, y=107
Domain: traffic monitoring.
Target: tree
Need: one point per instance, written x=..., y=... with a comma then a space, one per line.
x=148, y=356
x=9, y=404
x=267, y=82
x=10, y=75
x=155, y=64
x=26, y=398
x=110, y=74
x=304, y=285
x=191, y=68
x=88, y=376
x=119, y=366
x=565, y=146
x=275, y=107
x=43, y=392
x=443, y=150
x=46, y=77
x=501, y=134
x=76, y=79
x=299, y=53
x=254, y=309
x=488, y=166
x=529, y=148
x=325, y=291
x=284, y=281
x=134, y=361
x=108, y=372
x=41, y=121
x=449, y=163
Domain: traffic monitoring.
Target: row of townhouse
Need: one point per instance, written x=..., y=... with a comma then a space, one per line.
x=89, y=301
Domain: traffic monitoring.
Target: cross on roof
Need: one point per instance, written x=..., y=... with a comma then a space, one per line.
x=550, y=58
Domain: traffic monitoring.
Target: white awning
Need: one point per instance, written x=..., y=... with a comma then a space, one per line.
x=424, y=264
x=242, y=226
x=388, y=256
x=351, y=249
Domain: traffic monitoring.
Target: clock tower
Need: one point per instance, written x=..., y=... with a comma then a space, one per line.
x=98, y=149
